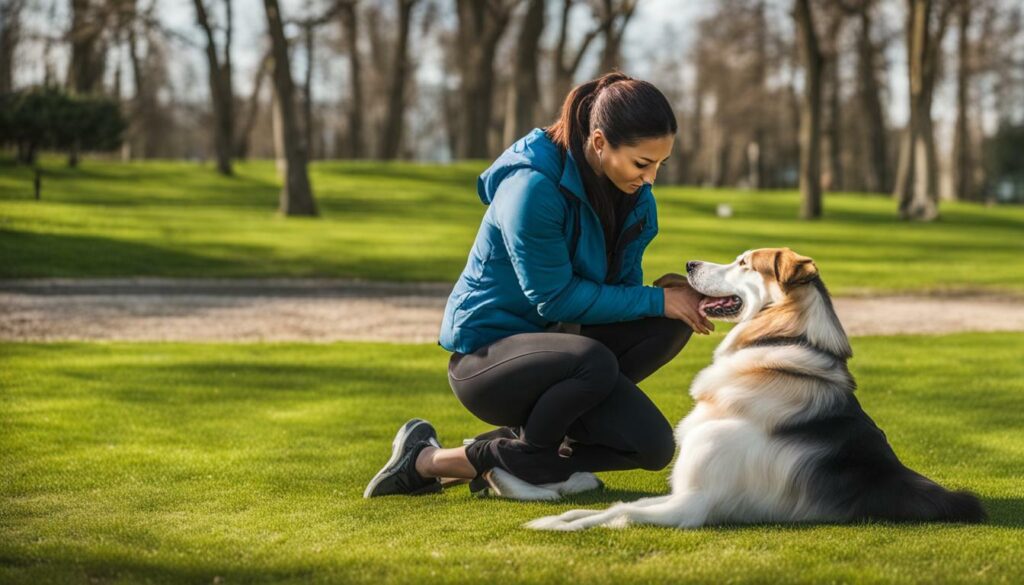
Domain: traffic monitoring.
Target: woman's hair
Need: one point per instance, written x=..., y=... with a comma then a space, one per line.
x=626, y=110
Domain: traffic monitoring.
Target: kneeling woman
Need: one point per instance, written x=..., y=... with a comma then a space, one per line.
x=550, y=325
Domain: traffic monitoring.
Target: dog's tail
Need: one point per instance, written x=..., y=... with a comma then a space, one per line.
x=911, y=497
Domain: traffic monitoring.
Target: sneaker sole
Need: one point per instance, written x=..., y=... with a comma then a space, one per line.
x=396, y=454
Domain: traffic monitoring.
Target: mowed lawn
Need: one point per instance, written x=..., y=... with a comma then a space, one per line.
x=417, y=222
x=226, y=463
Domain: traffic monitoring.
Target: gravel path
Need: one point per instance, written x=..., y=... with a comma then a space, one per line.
x=322, y=310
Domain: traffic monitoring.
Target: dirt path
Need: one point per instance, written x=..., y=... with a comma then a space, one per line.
x=321, y=310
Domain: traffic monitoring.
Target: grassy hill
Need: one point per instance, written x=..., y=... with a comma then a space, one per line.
x=399, y=221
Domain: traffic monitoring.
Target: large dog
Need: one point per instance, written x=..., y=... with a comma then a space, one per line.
x=776, y=434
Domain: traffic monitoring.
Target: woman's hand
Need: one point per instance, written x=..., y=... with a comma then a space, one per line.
x=683, y=303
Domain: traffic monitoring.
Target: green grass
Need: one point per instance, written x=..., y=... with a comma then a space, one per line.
x=193, y=462
x=417, y=222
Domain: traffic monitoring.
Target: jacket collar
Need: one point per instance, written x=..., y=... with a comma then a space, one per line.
x=571, y=179
x=573, y=183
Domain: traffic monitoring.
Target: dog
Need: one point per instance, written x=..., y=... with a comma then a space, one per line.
x=776, y=434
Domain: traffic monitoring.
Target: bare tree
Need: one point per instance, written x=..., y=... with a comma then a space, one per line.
x=350, y=31
x=743, y=130
x=995, y=74
x=221, y=92
x=917, y=175
x=755, y=148
x=566, y=60
x=309, y=36
x=10, y=35
x=614, y=16
x=835, y=16
x=481, y=25
x=524, y=92
x=147, y=69
x=296, y=194
x=810, y=115
x=876, y=174
x=395, y=117
x=244, y=137
x=963, y=187
x=88, y=46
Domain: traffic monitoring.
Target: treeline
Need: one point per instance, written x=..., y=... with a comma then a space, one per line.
x=769, y=93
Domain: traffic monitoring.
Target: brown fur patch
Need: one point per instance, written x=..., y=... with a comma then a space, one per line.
x=785, y=266
x=785, y=319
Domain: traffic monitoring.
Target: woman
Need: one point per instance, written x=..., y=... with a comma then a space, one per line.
x=550, y=325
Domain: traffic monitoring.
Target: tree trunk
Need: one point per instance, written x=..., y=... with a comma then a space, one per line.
x=718, y=173
x=755, y=150
x=917, y=179
x=395, y=118
x=525, y=88
x=614, y=19
x=220, y=89
x=350, y=26
x=87, y=48
x=307, y=92
x=296, y=194
x=693, y=173
x=835, y=115
x=877, y=176
x=142, y=112
x=810, y=114
x=73, y=154
x=481, y=25
x=252, y=109
x=10, y=35
x=963, y=187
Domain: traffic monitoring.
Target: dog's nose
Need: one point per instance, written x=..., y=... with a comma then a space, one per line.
x=691, y=266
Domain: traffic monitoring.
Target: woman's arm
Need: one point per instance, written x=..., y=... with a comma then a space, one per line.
x=530, y=213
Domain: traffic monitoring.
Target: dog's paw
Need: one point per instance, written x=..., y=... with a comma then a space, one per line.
x=579, y=482
x=505, y=485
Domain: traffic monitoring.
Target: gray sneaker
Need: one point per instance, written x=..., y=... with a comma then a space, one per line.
x=399, y=476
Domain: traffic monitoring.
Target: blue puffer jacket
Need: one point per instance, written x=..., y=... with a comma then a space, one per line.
x=521, y=275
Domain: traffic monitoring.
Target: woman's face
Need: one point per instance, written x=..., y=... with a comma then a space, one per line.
x=629, y=167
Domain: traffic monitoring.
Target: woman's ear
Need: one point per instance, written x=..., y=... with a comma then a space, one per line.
x=598, y=141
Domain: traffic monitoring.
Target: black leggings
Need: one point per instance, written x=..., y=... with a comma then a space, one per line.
x=558, y=386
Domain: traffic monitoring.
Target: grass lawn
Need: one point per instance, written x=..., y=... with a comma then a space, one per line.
x=227, y=463
x=417, y=222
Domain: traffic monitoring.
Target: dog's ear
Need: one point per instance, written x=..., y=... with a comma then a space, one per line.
x=670, y=280
x=792, y=269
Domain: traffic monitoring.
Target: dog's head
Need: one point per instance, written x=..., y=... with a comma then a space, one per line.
x=754, y=281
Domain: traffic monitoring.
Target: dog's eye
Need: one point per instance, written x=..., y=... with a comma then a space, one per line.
x=743, y=262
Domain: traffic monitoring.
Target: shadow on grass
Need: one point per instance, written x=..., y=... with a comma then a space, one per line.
x=38, y=255
x=31, y=254
x=79, y=566
x=461, y=175
x=1003, y=512
x=1007, y=512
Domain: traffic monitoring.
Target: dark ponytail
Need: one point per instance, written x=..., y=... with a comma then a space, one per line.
x=627, y=111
